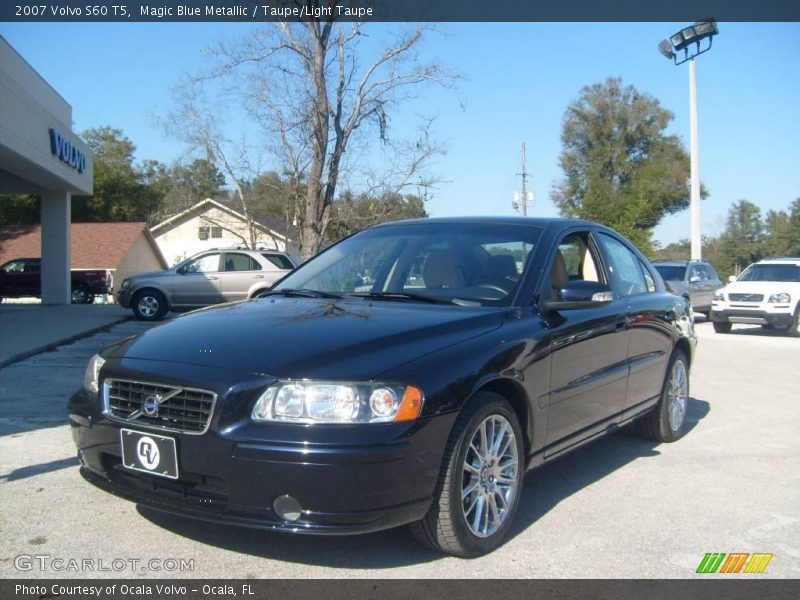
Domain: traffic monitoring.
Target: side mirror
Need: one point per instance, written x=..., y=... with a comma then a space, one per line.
x=580, y=294
x=731, y=278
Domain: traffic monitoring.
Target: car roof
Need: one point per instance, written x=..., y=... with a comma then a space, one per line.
x=542, y=222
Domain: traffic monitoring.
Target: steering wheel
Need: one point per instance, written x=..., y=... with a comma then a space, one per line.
x=491, y=286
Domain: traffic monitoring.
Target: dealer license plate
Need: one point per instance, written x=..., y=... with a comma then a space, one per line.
x=149, y=453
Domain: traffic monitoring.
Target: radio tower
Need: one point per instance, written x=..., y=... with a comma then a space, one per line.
x=522, y=198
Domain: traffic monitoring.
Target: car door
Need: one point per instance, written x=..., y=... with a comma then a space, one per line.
x=649, y=314
x=240, y=272
x=197, y=283
x=588, y=371
x=699, y=286
x=21, y=278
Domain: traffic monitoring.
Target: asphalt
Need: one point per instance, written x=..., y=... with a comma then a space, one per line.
x=28, y=329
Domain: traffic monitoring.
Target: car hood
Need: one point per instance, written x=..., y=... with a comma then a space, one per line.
x=761, y=287
x=310, y=338
x=151, y=274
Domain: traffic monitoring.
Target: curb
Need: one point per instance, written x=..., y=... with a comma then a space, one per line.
x=62, y=342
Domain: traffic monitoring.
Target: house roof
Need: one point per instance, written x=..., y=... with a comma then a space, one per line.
x=201, y=207
x=93, y=245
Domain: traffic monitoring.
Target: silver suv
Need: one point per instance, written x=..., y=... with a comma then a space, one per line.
x=695, y=280
x=210, y=277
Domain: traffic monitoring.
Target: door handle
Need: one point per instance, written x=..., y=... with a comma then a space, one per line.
x=258, y=277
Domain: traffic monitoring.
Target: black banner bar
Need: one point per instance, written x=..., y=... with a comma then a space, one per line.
x=729, y=588
x=396, y=10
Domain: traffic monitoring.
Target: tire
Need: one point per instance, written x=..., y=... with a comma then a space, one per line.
x=794, y=328
x=149, y=305
x=80, y=294
x=462, y=527
x=667, y=422
x=722, y=327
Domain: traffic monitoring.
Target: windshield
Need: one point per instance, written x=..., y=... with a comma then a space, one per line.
x=466, y=263
x=671, y=272
x=773, y=272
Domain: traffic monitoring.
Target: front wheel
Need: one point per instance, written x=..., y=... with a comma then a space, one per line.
x=667, y=422
x=722, y=327
x=149, y=305
x=480, y=484
x=794, y=328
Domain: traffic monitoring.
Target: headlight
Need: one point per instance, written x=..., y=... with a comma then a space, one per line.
x=125, y=283
x=338, y=402
x=90, y=378
x=718, y=297
x=783, y=298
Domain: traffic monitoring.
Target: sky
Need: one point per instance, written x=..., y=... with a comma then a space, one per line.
x=516, y=82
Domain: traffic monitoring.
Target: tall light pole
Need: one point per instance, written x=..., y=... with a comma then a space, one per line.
x=689, y=40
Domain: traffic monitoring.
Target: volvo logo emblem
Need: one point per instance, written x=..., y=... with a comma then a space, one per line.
x=150, y=405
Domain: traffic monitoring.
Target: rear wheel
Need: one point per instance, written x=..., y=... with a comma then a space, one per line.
x=481, y=481
x=667, y=422
x=722, y=327
x=149, y=305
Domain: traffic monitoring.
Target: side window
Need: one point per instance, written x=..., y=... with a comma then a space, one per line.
x=209, y=263
x=33, y=266
x=15, y=266
x=575, y=260
x=649, y=281
x=279, y=260
x=712, y=274
x=240, y=262
x=625, y=267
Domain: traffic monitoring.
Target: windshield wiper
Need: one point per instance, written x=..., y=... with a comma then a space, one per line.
x=409, y=296
x=300, y=293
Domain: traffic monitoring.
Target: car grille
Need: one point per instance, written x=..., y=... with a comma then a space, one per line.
x=746, y=297
x=163, y=406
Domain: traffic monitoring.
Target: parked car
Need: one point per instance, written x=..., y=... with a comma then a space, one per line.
x=767, y=293
x=482, y=348
x=210, y=277
x=695, y=280
x=22, y=277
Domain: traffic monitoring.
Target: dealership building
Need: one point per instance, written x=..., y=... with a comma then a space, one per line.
x=40, y=155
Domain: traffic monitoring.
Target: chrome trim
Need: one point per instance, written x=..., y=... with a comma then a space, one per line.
x=133, y=420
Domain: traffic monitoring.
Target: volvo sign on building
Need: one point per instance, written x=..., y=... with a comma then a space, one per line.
x=39, y=154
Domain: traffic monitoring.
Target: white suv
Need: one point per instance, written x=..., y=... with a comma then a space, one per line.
x=767, y=293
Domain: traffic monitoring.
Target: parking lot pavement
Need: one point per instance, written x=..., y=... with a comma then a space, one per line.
x=621, y=507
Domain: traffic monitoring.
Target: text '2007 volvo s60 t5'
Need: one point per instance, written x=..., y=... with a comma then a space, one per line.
x=410, y=374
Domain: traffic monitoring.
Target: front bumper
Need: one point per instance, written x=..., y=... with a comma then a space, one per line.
x=379, y=476
x=752, y=316
x=124, y=297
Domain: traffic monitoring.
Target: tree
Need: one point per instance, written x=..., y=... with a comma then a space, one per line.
x=317, y=96
x=742, y=241
x=620, y=167
x=19, y=209
x=183, y=186
x=350, y=213
x=120, y=193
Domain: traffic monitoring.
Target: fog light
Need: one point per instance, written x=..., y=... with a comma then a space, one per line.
x=287, y=508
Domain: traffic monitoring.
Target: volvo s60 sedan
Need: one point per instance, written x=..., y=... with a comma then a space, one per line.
x=410, y=374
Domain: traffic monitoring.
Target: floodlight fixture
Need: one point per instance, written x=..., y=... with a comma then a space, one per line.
x=689, y=38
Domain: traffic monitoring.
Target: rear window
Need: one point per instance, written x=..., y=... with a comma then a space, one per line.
x=279, y=260
x=671, y=272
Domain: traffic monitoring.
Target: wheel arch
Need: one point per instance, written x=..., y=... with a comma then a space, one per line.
x=153, y=288
x=515, y=395
x=684, y=346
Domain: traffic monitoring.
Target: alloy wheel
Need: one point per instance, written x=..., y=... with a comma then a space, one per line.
x=490, y=476
x=677, y=395
x=148, y=306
